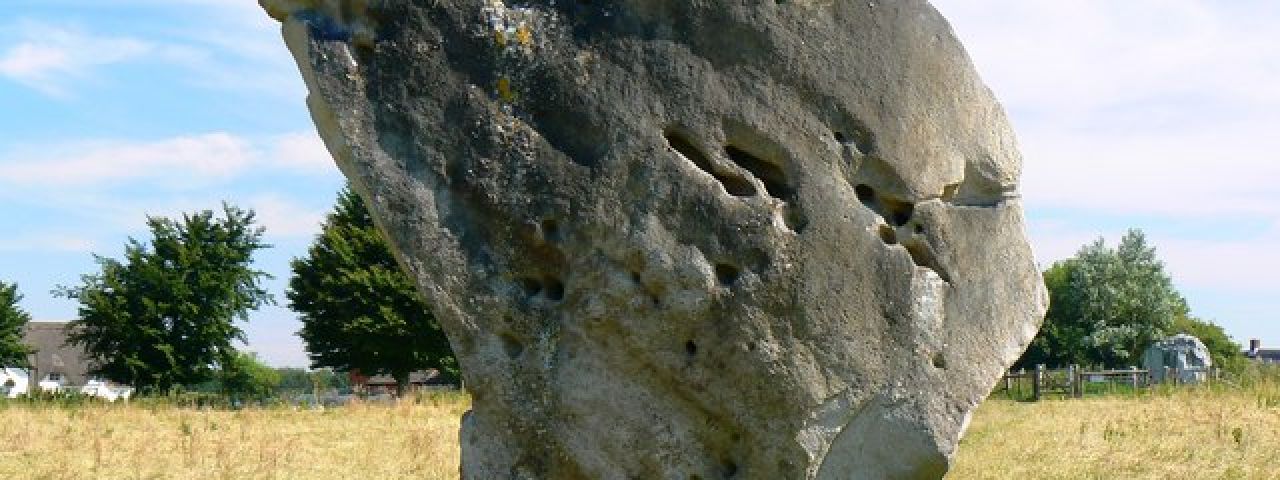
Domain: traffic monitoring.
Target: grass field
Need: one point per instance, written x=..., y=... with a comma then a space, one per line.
x=1166, y=434
x=408, y=440
x=1192, y=433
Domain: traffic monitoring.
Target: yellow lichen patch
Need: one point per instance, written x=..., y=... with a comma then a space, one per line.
x=505, y=92
x=524, y=35
x=499, y=38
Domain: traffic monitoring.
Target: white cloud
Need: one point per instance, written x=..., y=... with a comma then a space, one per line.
x=196, y=158
x=45, y=242
x=233, y=46
x=301, y=151
x=173, y=162
x=1240, y=265
x=1144, y=107
x=1080, y=56
x=48, y=57
x=1159, y=114
x=283, y=217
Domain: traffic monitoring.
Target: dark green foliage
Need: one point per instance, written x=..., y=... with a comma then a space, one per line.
x=1224, y=351
x=293, y=379
x=165, y=315
x=359, y=310
x=13, y=321
x=1060, y=339
x=303, y=381
x=1106, y=306
x=244, y=377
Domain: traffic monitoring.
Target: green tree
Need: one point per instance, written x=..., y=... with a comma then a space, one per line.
x=165, y=315
x=294, y=379
x=359, y=309
x=1060, y=340
x=244, y=377
x=13, y=323
x=1106, y=305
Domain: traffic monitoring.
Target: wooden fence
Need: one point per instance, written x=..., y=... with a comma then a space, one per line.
x=1073, y=381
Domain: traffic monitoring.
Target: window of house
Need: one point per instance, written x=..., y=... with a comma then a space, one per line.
x=55, y=377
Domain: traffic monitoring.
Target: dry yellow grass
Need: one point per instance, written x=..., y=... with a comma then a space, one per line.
x=1187, y=433
x=1192, y=433
x=408, y=440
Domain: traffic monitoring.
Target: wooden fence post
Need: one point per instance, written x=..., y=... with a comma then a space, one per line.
x=1134, y=378
x=1036, y=380
x=1077, y=381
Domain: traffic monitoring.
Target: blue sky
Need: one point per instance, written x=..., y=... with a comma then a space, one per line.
x=1156, y=114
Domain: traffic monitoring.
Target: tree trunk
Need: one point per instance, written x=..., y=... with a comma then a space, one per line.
x=402, y=382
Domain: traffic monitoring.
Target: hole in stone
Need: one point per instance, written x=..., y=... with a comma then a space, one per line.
x=690, y=348
x=727, y=274
x=887, y=235
x=635, y=277
x=841, y=138
x=922, y=256
x=512, y=346
x=531, y=286
x=734, y=184
x=939, y=361
x=794, y=218
x=751, y=346
x=550, y=229
x=864, y=140
x=899, y=212
x=919, y=229
x=896, y=212
x=555, y=289
x=730, y=468
x=775, y=180
x=866, y=194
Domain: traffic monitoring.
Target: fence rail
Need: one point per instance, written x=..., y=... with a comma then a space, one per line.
x=1073, y=381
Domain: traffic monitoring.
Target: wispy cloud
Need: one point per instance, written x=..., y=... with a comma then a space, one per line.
x=284, y=217
x=232, y=47
x=197, y=158
x=182, y=161
x=113, y=184
x=1157, y=114
x=47, y=58
x=1144, y=107
x=303, y=152
x=46, y=242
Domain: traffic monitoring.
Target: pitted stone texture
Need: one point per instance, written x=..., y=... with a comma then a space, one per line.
x=1181, y=355
x=688, y=239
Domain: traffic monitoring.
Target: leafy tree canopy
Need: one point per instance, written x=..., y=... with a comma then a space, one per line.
x=165, y=315
x=243, y=376
x=302, y=380
x=1106, y=306
x=13, y=322
x=359, y=309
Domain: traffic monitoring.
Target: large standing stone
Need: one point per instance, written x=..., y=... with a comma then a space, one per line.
x=688, y=239
x=1182, y=355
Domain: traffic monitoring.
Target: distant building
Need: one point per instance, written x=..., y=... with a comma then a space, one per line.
x=55, y=362
x=387, y=384
x=1264, y=355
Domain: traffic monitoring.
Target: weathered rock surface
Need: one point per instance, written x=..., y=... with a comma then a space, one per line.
x=1182, y=355
x=688, y=239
